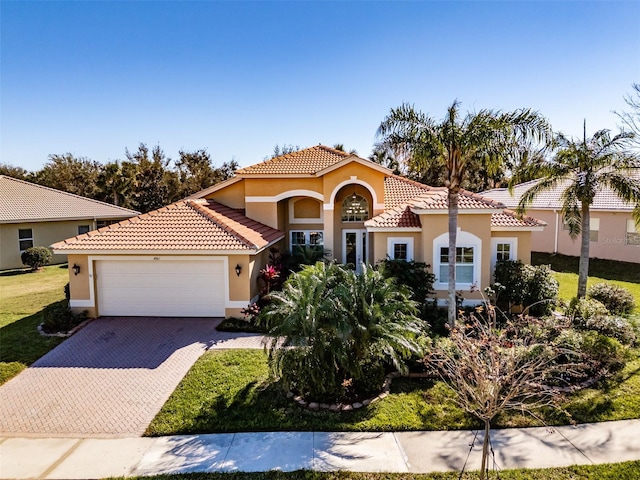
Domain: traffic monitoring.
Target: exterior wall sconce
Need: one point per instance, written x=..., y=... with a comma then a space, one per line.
x=238, y=269
x=76, y=269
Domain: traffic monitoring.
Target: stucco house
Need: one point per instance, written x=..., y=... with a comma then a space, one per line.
x=613, y=234
x=32, y=215
x=201, y=256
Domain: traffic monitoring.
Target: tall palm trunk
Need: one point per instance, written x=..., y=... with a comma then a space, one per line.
x=453, y=234
x=583, y=269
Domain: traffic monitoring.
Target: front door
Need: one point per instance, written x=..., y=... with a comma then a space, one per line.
x=354, y=248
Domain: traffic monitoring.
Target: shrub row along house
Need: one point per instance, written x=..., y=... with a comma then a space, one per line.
x=614, y=234
x=32, y=215
x=201, y=256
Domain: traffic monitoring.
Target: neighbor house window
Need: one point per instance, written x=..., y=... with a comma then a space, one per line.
x=25, y=238
x=105, y=223
x=503, y=251
x=83, y=229
x=464, y=265
x=313, y=239
x=633, y=233
x=594, y=228
x=355, y=208
x=400, y=248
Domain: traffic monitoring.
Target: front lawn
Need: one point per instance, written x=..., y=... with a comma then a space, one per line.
x=609, y=471
x=229, y=391
x=623, y=274
x=23, y=296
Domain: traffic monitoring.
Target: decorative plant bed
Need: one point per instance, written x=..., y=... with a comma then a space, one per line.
x=63, y=334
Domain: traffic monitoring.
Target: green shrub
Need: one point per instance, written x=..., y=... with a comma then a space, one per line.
x=603, y=354
x=532, y=286
x=36, y=257
x=612, y=326
x=582, y=309
x=59, y=318
x=413, y=275
x=617, y=299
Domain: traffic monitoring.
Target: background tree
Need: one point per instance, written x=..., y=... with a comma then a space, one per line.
x=13, y=171
x=196, y=171
x=340, y=146
x=70, y=174
x=490, y=138
x=631, y=119
x=155, y=187
x=283, y=150
x=117, y=183
x=584, y=167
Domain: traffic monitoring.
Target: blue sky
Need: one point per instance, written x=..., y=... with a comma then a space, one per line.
x=236, y=78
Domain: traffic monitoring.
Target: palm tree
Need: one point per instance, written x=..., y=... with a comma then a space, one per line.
x=491, y=136
x=583, y=167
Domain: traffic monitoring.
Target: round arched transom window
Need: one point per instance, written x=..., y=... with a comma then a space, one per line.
x=355, y=208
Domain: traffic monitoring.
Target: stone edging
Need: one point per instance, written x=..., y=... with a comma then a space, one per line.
x=335, y=407
x=63, y=334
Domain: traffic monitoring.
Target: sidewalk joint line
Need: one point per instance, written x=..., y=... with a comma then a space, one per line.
x=62, y=458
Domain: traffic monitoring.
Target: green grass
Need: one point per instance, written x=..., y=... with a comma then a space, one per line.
x=23, y=296
x=623, y=274
x=609, y=471
x=229, y=391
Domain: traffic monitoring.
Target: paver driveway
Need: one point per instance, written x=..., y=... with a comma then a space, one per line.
x=109, y=379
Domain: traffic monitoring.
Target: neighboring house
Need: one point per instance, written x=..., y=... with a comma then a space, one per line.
x=32, y=215
x=201, y=256
x=614, y=234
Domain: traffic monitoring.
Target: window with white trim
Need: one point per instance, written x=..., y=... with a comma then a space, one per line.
x=313, y=239
x=400, y=248
x=633, y=233
x=25, y=238
x=83, y=229
x=355, y=208
x=465, y=265
x=503, y=248
x=594, y=228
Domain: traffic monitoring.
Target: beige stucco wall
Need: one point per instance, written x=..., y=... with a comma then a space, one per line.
x=263, y=212
x=44, y=234
x=371, y=177
x=269, y=187
x=379, y=242
x=306, y=208
x=611, y=242
x=524, y=243
x=231, y=196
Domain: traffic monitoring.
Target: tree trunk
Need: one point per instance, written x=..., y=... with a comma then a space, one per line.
x=583, y=269
x=485, y=450
x=453, y=235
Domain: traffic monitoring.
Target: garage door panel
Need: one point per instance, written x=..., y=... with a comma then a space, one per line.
x=160, y=288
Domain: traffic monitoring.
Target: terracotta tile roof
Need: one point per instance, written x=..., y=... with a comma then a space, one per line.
x=508, y=218
x=403, y=195
x=605, y=199
x=185, y=225
x=308, y=161
x=22, y=201
x=398, y=217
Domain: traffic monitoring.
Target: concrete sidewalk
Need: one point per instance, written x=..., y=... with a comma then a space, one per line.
x=69, y=458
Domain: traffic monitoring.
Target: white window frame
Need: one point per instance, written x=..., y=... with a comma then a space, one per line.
x=633, y=232
x=20, y=240
x=307, y=238
x=464, y=239
x=393, y=241
x=495, y=241
x=365, y=213
x=594, y=229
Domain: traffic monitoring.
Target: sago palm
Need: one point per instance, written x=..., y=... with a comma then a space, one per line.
x=583, y=168
x=494, y=137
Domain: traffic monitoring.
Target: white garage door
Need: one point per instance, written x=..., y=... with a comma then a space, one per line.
x=160, y=288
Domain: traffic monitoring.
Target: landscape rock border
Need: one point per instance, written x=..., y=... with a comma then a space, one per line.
x=349, y=407
x=63, y=334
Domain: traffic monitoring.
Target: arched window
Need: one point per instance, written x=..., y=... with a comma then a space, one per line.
x=355, y=208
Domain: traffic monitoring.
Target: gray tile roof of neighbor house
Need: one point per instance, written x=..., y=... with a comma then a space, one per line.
x=22, y=201
x=605, y=199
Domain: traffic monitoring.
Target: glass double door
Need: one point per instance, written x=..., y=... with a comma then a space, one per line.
x=354, y=248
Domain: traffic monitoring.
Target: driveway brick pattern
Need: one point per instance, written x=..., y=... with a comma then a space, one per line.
x=111, y=378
